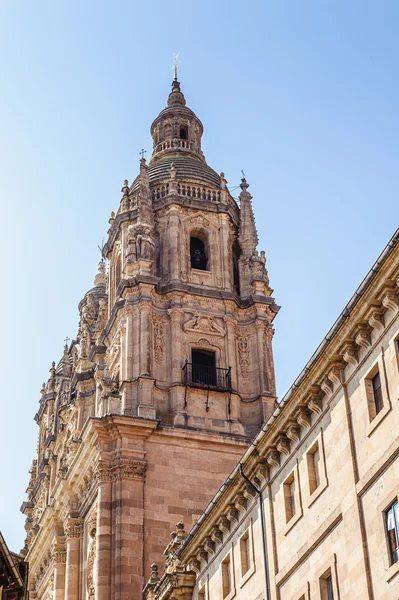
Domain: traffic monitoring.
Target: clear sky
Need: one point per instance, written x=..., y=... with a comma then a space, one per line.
x=302, y=95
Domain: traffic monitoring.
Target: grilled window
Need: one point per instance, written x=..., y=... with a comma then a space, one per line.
x=203, y=367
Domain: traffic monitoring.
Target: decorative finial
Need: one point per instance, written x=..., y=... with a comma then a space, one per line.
x=125, y=188
x=101, y=277
x=175, y=66
x=142, y=152
x=243, y=174
x=101, y=248
x=67, y=339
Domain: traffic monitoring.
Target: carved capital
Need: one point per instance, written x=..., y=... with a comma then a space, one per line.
x=282, y=444
x=302, y=417
x=58, y=553
x=273, y=457
x=176, y=314
x=120, y=468
x=73, y=528
x=292, y=431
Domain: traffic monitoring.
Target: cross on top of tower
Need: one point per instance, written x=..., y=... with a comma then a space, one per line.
x=175, y=66
x=142, y=152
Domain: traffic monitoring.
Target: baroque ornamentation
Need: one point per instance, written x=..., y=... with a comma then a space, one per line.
x=204, y=324
x=158, y=328
x=243, y=354
x=120, y=468
x=73, y=528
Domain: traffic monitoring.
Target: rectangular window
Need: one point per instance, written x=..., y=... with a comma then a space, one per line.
x=377, y=393
x=326, y=586
x=245, y=553
x=374, y=392
x=201, y=593
x=313, y=460
x=289, y=498
x=392, y=525
x=226, y=577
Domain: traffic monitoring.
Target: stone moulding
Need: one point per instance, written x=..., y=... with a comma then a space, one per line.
x=121, y=469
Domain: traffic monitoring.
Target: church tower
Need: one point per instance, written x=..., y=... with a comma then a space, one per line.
x=170, y=375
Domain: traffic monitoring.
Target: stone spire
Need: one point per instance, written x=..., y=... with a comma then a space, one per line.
x=248, y=236
x=146, y=215
x=176, y=96
x=101, y=277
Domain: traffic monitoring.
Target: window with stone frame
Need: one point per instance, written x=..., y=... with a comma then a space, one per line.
x=374, y=392
x=392, y=531
x=326, y=586
x=313, y=458
x=245, y=553
x=199, y=255
x=227, y=584
x=289, y=487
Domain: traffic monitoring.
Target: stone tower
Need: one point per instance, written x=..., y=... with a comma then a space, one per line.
x=170, y=375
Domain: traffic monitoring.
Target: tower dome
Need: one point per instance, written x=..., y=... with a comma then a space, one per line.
x=176, y=131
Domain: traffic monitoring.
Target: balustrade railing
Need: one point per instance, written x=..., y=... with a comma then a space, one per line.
x=205, y=376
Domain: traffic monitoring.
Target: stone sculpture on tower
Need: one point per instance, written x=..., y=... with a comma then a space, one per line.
x=169, y=378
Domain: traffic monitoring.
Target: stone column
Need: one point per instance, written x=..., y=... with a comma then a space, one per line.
x=73, y=532
x=176, y=316
x=173, y=239
x=102, y=566
x=260, y=333
x=231, y=350
x=59, y=557
x=128, y=516
x=271, y=382
x=145, y=329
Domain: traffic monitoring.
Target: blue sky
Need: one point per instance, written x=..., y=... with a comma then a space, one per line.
x=303, y=96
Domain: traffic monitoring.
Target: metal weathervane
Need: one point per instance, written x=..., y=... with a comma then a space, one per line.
x=175, y=66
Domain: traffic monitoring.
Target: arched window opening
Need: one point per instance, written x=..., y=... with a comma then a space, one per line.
x=236, y=272
x=203, y=367
x=183, y=132
x=198, y=255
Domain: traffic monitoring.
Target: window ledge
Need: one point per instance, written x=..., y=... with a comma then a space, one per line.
x=246, y=576
x=318, y=491
x=379, y=418
x=293, y=521
x=392, y=571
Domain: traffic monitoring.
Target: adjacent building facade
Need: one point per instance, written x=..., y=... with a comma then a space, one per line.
x=311, y=510
x=169, y=378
